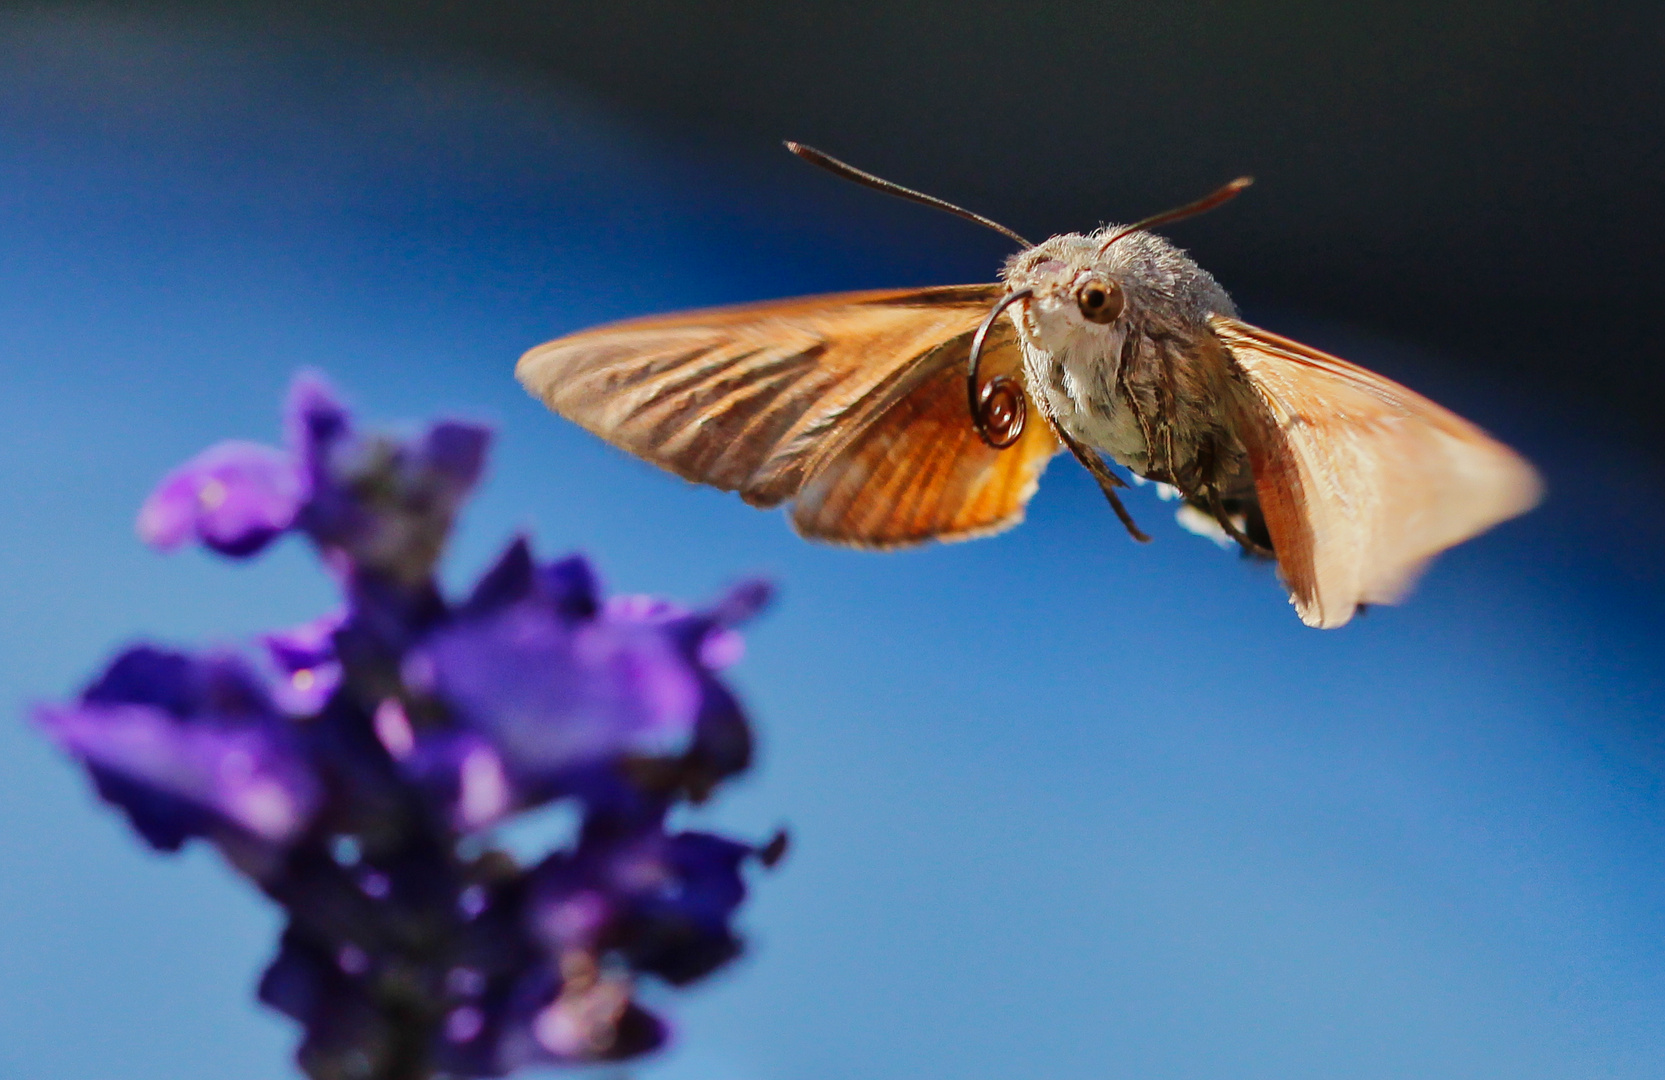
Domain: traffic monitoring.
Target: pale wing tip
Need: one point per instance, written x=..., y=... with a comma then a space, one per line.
x=1528, y=488
x=1506, y=490
x=1321, y=612
x=1317, y=617
x=1337, y=609
x=532, y=372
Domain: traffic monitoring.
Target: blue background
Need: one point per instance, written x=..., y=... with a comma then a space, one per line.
x=1062, y=805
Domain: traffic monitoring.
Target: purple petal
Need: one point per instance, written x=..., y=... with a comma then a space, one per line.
x=678, y=927
x=553, y=696
x=722, y=648
x=301, y=693
x=380, y=505
x=571, y=585
x=314, y=418
x=304, y=646
x=454, y=453
x=719, y=645
x=235, y=496
x=239, y=774
x=343, y=1026
x=637, y=607
x=217, y=686
x=187, y=745
x=512, y=578
x=308, y=671
x=744, y=601
x=144, y=676
x=663, y=901
x=465, y=775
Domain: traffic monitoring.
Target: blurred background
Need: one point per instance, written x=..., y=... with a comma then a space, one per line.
x=1062, y=805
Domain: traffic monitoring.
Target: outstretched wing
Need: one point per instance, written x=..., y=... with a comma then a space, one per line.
x=852, y=403
x=1361, y=480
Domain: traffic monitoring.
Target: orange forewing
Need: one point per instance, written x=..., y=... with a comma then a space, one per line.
x=1361, y=480
x=814, y=398
x=921, y=472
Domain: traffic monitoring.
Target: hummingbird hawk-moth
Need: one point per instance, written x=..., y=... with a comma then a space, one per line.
x=896, y=417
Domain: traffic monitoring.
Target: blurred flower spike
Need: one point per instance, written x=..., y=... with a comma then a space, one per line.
x=355, y=767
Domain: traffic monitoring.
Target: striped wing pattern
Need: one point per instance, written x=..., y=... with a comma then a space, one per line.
x=854, y=404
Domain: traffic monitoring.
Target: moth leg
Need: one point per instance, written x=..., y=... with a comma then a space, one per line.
x=1218, y=509
x=1108, y=481
x=1206, y=461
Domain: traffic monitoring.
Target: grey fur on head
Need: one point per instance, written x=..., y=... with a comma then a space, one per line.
x=1152, y=271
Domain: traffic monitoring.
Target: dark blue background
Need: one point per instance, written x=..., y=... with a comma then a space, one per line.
x=1063, y=806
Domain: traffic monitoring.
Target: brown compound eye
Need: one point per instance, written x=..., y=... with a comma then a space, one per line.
x=1100, y=300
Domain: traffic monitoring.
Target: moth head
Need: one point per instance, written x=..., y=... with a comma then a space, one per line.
x=1091, y=288
x=1073, y=294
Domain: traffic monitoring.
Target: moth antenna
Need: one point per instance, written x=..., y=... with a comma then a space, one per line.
x=1191, y=209
x=867, y=179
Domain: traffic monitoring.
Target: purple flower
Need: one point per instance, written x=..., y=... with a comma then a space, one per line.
x=235, y=497
x=386, y=506
x=357, y=769
x=380, y=505
x=548, y=690
x=555, y=691
x=189, y=747
x=660, y=899
x=377, y=504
